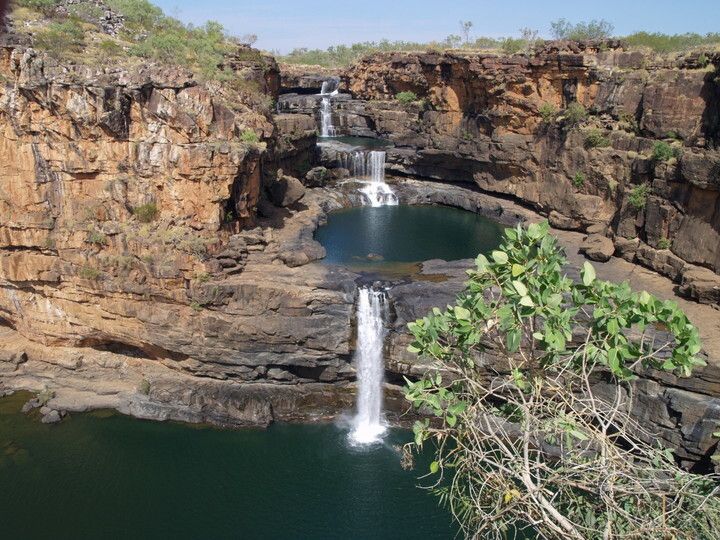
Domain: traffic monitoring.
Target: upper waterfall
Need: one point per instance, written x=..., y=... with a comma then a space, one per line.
x=329, y=89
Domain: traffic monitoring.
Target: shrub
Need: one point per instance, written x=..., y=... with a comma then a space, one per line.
x=96, y=237
x=664, y=243
x=594, y=29
x=671, y=42
x=61, y=38
x=145, y=213
x=596, y=139
x=513, y=45
x=200, y=48
x=109, y=48
x=526, y=442
x=578, y=180
x=88, y=272
x=548, y=112
x=249, y=136
x=406, y=97
x=144, y=387
x=139, y=14
x=44, y=6
x=574, y=114
x=662, y=151
x=638, y=196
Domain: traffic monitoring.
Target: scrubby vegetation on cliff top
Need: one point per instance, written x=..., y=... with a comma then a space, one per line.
x=344, y=55
x=143, y=32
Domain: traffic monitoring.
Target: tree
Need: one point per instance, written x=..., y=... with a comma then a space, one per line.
x=532, y=386
x=594, y=29
x=465, y=27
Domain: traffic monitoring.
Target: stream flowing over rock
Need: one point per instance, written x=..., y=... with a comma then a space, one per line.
x=156, y=240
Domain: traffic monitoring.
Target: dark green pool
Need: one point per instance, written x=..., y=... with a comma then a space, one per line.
x=383, y=236
x=118, y=477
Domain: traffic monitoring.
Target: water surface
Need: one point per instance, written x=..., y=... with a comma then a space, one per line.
x=376, y=238
x=110, y=476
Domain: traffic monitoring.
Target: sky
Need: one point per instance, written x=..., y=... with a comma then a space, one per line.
x=282, y=25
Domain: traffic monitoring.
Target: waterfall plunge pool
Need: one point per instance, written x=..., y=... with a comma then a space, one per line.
x=389, y=239
x=104, y=475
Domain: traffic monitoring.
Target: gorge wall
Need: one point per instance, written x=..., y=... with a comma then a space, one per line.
x=501, y=123
x=156, y=245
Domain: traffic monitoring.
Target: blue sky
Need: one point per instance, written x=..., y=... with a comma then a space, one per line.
x=285, y=24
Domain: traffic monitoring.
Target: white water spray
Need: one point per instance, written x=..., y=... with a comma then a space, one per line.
x=376, y=192
x=369, y=167
x=368, y=424
x=329, y=89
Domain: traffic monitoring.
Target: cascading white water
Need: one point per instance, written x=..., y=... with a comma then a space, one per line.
x=329, y=89
x=368, y=424
x=376, y=192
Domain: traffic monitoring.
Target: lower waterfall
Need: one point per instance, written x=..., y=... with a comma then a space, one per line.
x=368, y=424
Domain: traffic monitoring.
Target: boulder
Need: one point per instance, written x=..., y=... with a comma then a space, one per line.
x=286, y=190
x=597, y=248
x=52, y=417
x=317, y=177
x=702, y=285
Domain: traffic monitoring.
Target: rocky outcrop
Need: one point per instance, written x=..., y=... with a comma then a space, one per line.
x=501, y=123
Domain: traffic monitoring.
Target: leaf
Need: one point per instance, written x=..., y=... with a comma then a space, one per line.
x=517, y=269
x=500, y=257
x=482, y=263
x=520, y=287
x=513, y=340
x=434, y=467
x=614, y=361
x=588, y=274
x=451, y=420
x=527, y=301
x=461, y=313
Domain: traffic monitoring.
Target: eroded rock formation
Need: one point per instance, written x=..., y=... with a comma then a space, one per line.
x=502, y=124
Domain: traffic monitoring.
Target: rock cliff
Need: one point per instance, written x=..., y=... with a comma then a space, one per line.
x=638, y=162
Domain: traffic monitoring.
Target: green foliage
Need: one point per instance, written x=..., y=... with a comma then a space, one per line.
x=249, y=136
x=664, y=43
x=574, y=114
x=89, y=272
x=548, y=113
x=144, y=387
x=96, y=237
x=406, y=97
x=594, y=29
x=109, y=48
x=43, y=6
x=201, y=48
x=139, y=14
x=638, y=196
x=596, y=139
x=664, y=243
x=145, y=213
x=497, y=425
x=662, y=151
x=512, y=45
x=60, y=38
x=578, y=180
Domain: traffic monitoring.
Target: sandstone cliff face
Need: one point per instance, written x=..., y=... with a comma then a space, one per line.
x=481, y=121
x=128, y=204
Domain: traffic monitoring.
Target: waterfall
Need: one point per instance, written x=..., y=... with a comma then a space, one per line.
x=329, y=89
x=368, y=424
x=376, y=192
